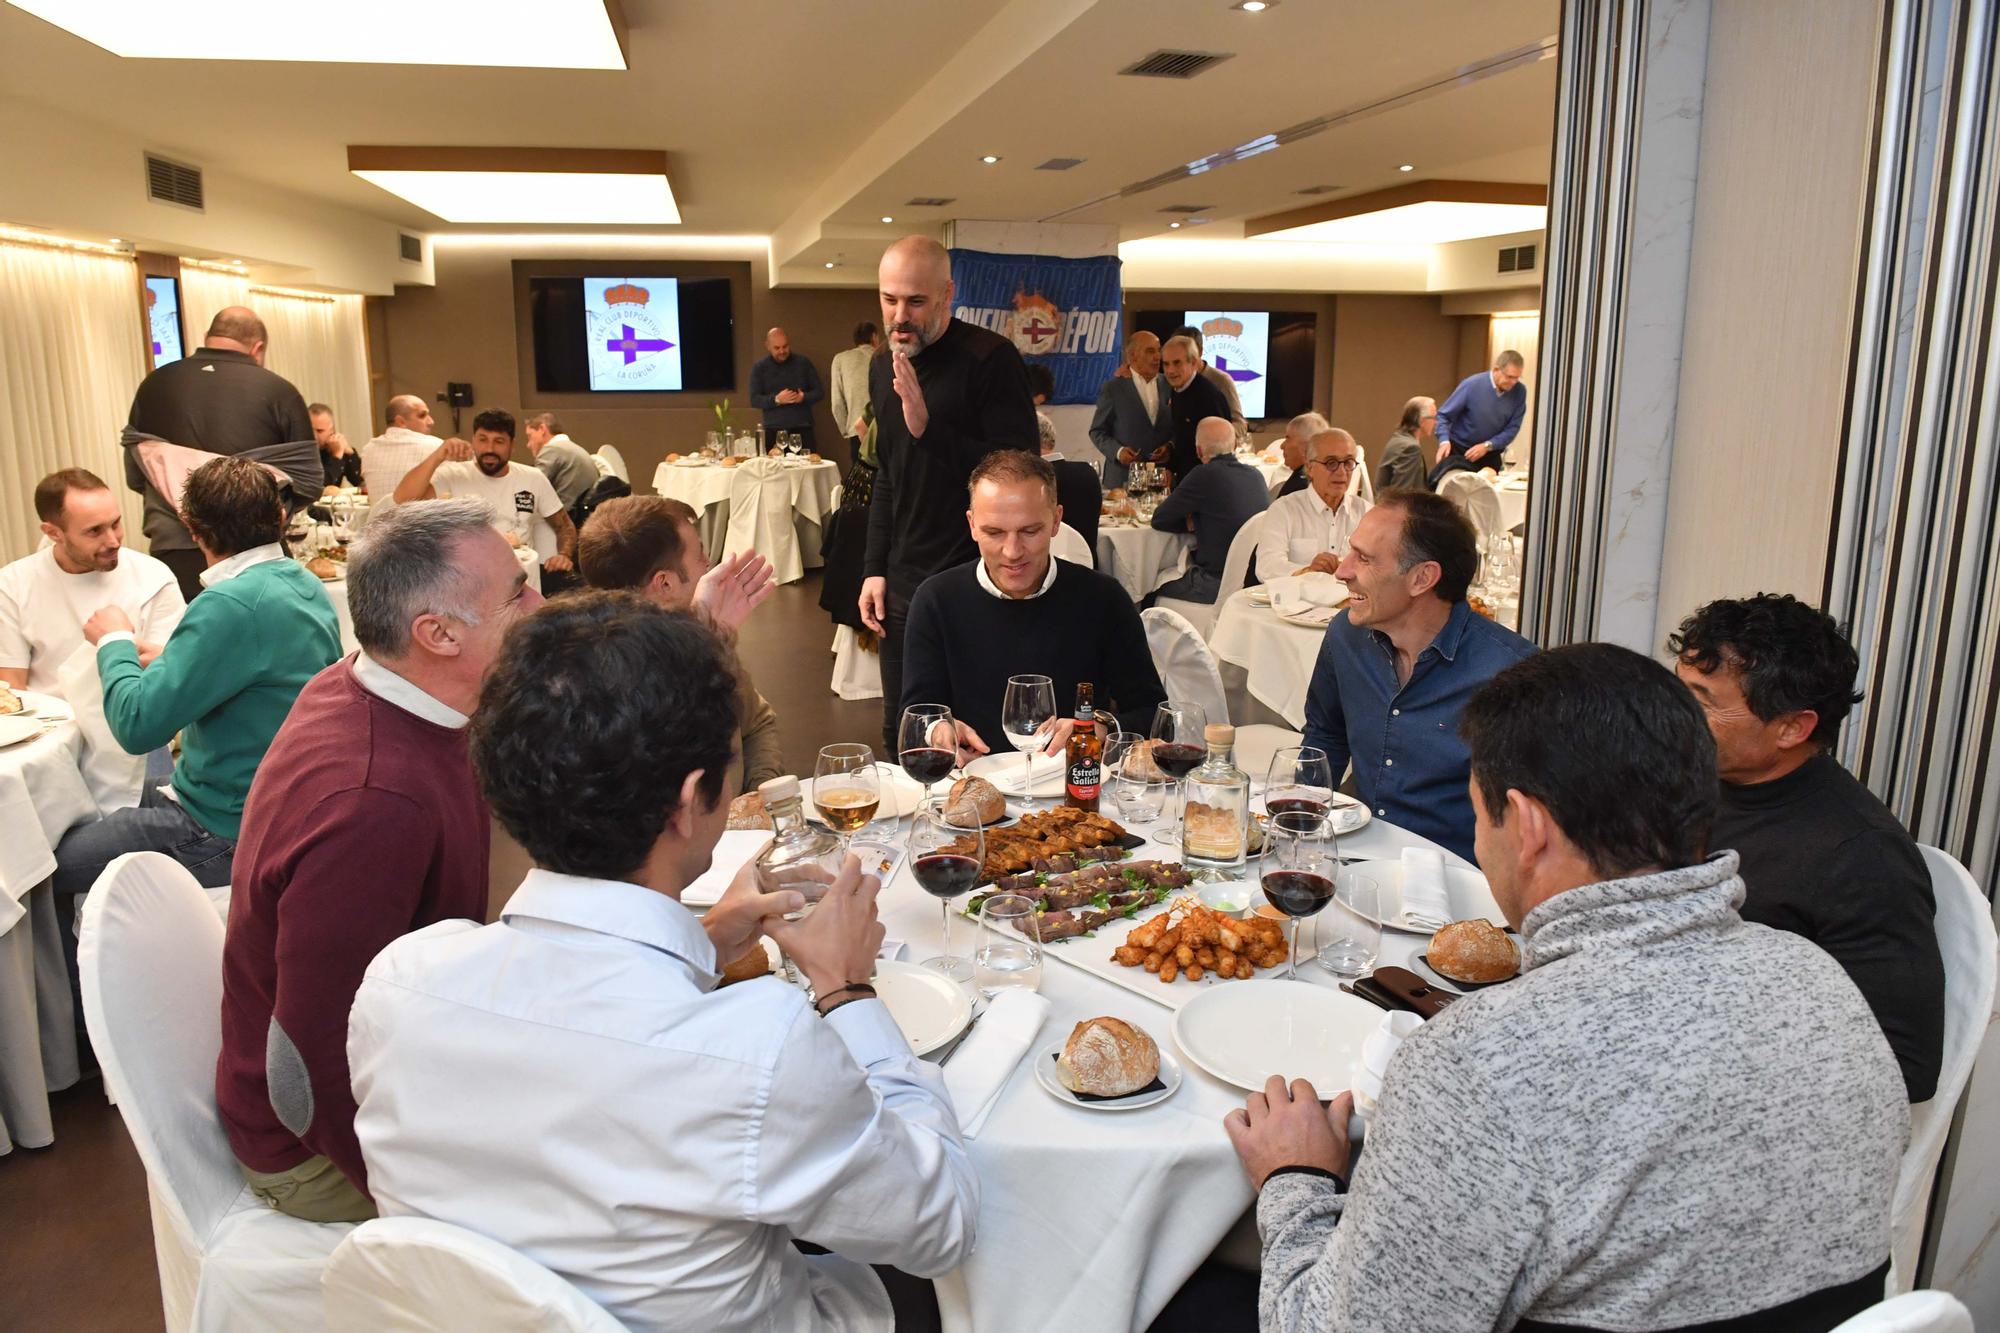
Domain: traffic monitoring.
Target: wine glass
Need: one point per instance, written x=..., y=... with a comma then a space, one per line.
x=1300, y=780
x=846, y=788
x=927, y=743
x=1030, y=706
x=1298, y=872
x=1009, y=953
x=948, y=857
x=1179, y=750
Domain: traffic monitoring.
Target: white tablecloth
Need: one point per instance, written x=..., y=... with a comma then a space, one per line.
x=42, y=795
x=1275, y=655
x=1272, y=472
x=336, y=592
x=706, y=491
x=1141, y=558
x=1091, y=1221
x=1513, y=489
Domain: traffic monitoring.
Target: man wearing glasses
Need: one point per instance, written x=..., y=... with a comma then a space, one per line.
x=1308, y=531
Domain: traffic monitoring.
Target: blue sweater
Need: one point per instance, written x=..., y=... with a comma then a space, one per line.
x=1477, y=413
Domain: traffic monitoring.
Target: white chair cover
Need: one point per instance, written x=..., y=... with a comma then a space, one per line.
x=1363, y=481
x=416, y=1275
x=1914, y=1312
x=609, y=458
x=1235, y=568
x=857, y=671
x=1473, y=493
x=150, y=950
x=1257, y=742
x=1967, y=941
x=1069, y=545
x=1185, y=665
x=603, y=468
x=760, y=518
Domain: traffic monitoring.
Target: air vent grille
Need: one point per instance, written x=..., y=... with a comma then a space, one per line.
x=175, y=183
x=1176, y=64
x=1319, y=189
x=1517, y=258
x=927, y=201
x=412, y=247
x=1060, y=164
x=1187, y=208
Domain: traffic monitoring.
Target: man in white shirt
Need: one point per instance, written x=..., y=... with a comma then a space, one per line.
x=526, y=509
x=406, y=443
x=46, y=597
x=570, y=1081
x=849, y=373
x=1308, y=531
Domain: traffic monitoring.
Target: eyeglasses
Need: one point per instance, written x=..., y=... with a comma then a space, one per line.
x=1337, y=464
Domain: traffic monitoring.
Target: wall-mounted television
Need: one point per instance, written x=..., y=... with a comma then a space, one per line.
x=608, y=333
x=163, y=319
x=1268, y=353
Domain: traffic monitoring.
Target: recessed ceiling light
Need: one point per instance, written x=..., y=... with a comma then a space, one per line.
x=1406, y=167
x=888, y=219
x=989, y=159
x=549, y=34
x=1253, y=6
x=573, y=185
x=829, y=263
x=1173, y=226
x=237, y=262
x=116, y=240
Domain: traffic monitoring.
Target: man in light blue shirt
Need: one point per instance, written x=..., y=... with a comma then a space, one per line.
x=1481, y=418
x=1399, y=663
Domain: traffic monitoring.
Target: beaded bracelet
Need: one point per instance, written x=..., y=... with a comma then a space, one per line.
x=862, y=991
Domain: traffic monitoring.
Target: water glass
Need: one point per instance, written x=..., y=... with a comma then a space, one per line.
x=1138, y=800
x=1009, y=956
x=1351, y=930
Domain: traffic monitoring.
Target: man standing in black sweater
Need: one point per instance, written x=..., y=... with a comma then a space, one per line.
x=1194, y=399
x=947, y=394
x=1015, y=610
x=1822, y=857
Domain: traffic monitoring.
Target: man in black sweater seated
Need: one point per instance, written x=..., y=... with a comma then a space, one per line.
x=1822, y=857
x=1015, y=610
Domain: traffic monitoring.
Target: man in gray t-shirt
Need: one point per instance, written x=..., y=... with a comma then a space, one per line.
x=563, y=461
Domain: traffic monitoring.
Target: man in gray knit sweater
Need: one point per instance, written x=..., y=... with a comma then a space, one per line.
x=1671, y=1119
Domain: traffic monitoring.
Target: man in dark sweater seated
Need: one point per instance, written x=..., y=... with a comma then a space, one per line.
x=363, y=824
x=1213, y=502
x=1015, y=610
x=1822, y=857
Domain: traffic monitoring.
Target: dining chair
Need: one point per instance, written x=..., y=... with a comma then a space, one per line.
x=1912, y=1312
x=1069, y=545
x=150, y=954
x=761, y=518
x=614, y=462
x=1473, y=493
x=418, y=1275
x=1235, y=569
x=1966, y=940
x=1188, y=670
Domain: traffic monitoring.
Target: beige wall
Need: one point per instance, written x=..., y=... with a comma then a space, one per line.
x=1784, y=144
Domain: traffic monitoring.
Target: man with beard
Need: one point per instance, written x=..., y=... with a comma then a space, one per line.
x=948, y=394
x=526, y=509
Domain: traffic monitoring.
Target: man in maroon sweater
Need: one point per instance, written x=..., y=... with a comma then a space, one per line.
x=364, y=823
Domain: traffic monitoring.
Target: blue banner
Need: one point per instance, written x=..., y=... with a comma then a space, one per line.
x=1061, y=313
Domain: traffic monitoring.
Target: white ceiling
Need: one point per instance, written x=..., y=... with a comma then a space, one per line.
x=810, y=120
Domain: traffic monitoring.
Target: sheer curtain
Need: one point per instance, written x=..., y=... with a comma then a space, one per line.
x=317, y=342
x=71, y=354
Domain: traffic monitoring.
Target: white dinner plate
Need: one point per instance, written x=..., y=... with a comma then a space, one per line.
x=1246, y=1031
x=45, y=706
x=18, y=727
x=1045, y=1074
x=1349, y=815
x=901, y=793
x=928, y=1006
x=1311, y=617
x=1005, y=771
x=691, y=462
x=1469, y=893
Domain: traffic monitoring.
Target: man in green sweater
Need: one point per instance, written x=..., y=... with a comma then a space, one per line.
x=225, y=681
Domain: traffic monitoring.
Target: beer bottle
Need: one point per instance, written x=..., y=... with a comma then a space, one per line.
x=1083, y=774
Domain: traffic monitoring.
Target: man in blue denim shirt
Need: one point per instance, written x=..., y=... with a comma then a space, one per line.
x=1398, y=664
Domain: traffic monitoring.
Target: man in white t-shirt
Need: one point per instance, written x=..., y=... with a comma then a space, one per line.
x=526, y=509
x=46, y=597
x=389, y=456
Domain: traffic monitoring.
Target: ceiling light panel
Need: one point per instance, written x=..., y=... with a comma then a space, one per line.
x=537, y=34
x=532, y=196
x=1432, y=223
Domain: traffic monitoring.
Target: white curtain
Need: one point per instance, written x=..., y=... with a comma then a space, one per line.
x=72, y=351
x=1523, y=334
x=317, y=342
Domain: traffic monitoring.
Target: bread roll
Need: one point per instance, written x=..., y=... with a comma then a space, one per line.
x=1107, y=1057
x=1139, y=763
x=323, y=567
x=10, y=702
x=981, y=795
x=1476, y=951
x=747, y=811
x=753, y=964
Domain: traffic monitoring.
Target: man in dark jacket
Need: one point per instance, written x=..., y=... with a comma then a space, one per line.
x=1194, y=399
x=1078, y=490
x=1214, y=503
x=220, y=400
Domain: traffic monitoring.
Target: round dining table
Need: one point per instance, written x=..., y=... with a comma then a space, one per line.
x=1275, y=656
x=1513, y=490
x=42, y=796
x=1088, y=1219
x=704, y=488
x=1140, y=556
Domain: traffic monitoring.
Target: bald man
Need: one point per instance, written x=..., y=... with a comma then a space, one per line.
x=220, y=400
x=1213, y=502
x=405, y=442
x=947, y=394
x=784, y=385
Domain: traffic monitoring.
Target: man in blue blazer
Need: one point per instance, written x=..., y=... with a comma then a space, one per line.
x=1133, y=422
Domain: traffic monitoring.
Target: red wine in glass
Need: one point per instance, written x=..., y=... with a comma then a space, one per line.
x=945, y=874
x=1297, y=892
x=1298, y=805
x=927, y=764
x=1178, y=759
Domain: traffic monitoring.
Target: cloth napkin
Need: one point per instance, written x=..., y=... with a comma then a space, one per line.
x=987, y=1058
x=732, y=849
x=1322, y=589
x=1010, y=781
x=1426, y=901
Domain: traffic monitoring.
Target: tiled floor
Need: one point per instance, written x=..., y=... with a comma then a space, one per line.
x=75, y=1236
